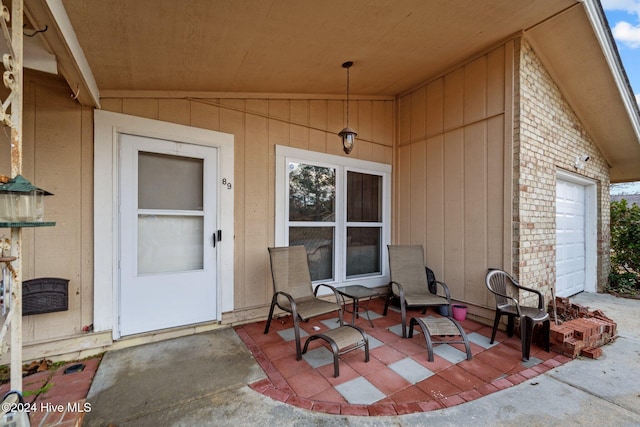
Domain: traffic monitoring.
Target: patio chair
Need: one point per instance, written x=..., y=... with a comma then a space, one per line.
x=503, y=286
x=413, y=283
x=293, y=291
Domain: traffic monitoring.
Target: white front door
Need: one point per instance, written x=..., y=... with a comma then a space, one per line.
x=570, y=238
x=167, y=234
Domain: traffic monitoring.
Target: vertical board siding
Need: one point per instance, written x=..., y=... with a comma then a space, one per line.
x=454, y=205
x=57, y=157
x=496, y=84
x=418, y=116
x=454, y=237
x=418, y=198
x=298, y=134
x=383, y=120
x=404, y=190
x=365, y=120
x=475, y=90
x=258, y=125
x=404, y=120
x=434, y=240
x=318, y=113
x=495, y=196
x=475, y=212
x=256, y=203
x=174, y=111
x=141, y=107
x=435, y=107
x=453, y=98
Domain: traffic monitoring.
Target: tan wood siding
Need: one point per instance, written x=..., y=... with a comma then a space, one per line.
x=475, y=209
x=454, y=191
x=434, y=188
x=57, y=156
x=435, y=107
x=450, y=173
x=417, y=200
x=403, y=189
x=258, y=125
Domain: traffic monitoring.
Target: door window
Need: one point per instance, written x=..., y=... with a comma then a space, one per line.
x=170, y=213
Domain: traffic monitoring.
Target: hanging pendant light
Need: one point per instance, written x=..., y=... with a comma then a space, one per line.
x=347, y=134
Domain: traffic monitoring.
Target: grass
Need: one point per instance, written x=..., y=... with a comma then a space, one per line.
x=41, y=390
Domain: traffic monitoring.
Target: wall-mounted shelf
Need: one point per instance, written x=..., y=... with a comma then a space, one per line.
x=26, y=224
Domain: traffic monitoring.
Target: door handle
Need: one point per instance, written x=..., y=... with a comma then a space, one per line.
x=217, y=236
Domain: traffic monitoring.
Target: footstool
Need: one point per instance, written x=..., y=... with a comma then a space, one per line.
x=342, y=339
x=439, y=326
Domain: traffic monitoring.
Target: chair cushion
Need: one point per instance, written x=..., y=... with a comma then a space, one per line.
x=425, y=298
x=309, y=308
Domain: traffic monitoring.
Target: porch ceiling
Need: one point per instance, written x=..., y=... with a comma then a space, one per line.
x=298, y=46
x=289, y=46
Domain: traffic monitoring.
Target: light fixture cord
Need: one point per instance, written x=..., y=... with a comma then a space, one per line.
x=348, y=96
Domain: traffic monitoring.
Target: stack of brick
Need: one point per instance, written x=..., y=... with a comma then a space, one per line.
x=580, y=331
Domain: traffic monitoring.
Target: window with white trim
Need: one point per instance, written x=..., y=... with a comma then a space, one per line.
x=339, y=209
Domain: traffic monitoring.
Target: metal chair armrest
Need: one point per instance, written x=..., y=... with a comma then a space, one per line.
x=337, y=296
x=445, y=288
x=400, y=292
x=335, y=292
x=292, y=302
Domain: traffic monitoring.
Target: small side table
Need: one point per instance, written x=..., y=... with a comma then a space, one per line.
x=356, y=293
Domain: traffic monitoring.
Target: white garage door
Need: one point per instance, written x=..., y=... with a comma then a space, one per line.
x=570, y=238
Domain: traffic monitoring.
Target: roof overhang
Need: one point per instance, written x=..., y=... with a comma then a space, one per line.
x=60, y=38
x=579, y=52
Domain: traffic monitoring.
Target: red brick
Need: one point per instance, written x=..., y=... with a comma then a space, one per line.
x=348, y=409
x=597, y=323
x=560, y=333
x=571, y=348
x=574, y=344
x=600, y=314
x=430, y=405
x=580, y=332
x=327, y=407
x=591, y=352
x=502, y=383
x=382, y=410
x=407, y=408
x=452, y=401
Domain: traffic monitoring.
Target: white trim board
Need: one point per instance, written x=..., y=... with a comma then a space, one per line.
x=107, y=126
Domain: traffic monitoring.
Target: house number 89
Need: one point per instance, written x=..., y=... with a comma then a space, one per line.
x=226, y=183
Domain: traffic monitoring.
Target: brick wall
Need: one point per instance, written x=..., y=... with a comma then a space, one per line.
x=547, y=137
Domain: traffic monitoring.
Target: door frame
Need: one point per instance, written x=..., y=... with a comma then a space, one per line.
x=590, y=225
x=107, y=126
